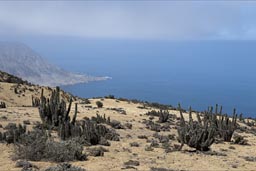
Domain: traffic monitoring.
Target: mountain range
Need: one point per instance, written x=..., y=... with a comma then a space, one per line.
x=20, y=60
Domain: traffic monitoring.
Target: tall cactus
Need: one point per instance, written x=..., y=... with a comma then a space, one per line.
x=226, y=127
x=35, y=101
x=221, y=122
x=53, y=111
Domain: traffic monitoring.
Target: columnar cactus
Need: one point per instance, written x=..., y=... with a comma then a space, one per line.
x=54, y=115
x=222, y=123
x=35, y=101
x=195, y=134
x=53, y=111
x=226, y=127
x=201, y=135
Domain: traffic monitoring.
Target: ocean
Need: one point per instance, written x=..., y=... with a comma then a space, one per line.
x=196, y=73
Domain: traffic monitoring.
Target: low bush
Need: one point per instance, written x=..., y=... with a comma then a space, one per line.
x=132, y=163
x=2, y=105
x=85, y=101
x=96, y=151
x=37, y=145
x=110, y=96
x=99, y=104
x=238, y=139
x=64, y=167
x=134, y=144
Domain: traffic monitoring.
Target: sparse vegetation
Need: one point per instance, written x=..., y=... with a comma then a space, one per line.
x=153, y=126
x=85, y=101
x=250, y=158
x=149, y=148
x=119, y=110
x=102, y=119
x=142, y=137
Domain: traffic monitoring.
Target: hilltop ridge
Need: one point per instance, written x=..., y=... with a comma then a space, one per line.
x=15, y=92
x=8, y=78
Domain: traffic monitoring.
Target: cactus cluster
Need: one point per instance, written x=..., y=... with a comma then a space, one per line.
x=2, y=105
x=163, y=115
x=195, y=134
x=13, y=133
x=223, y=125
x=53, y=111
x=54, y=115
x=102, y=119
x=89, y=132
x=201, y=134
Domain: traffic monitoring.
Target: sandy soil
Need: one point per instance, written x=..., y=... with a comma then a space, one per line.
x=120, y=152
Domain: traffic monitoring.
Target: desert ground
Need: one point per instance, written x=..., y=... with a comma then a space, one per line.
x=224, y=156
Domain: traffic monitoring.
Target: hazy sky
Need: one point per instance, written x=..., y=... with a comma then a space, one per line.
x=169, y=20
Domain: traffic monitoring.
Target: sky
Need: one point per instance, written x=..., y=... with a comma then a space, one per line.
x=154, y=20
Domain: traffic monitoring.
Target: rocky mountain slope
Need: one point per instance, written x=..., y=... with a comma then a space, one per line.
x=20, y=60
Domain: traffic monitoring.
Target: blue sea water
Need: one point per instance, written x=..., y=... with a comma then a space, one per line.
x=196, y=73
